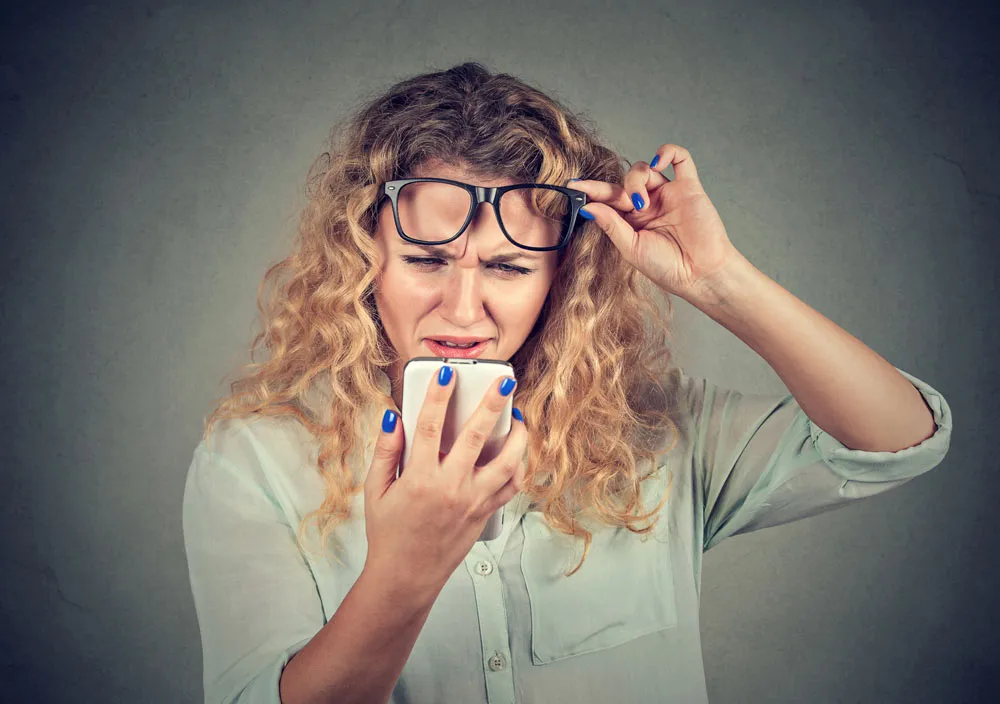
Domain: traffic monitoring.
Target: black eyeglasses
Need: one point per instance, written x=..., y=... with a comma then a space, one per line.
x=534, y=216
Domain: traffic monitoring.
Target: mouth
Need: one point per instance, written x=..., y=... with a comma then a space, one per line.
x=442, y=350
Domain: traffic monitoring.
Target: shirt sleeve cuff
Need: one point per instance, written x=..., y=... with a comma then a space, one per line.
x=263, y=688
x=868, y=466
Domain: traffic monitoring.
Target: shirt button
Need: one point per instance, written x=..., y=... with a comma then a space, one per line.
x=484, y=567
x=498, y=662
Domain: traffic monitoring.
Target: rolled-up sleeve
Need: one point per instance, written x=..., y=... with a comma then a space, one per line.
x=254, y=594
x=762, y=461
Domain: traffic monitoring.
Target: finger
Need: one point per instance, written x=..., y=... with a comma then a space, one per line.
x=523, y=467
x=620, y=232
x=505, y=470
x=478, y=429
x=500, y=498
x=430, y=422
x=385, y=460
x=678, y=157
x=639, y=181
x=610, y=194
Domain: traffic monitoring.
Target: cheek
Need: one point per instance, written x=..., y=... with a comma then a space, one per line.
x=403, y=293
x=413, y=286
x=408, y=289
x=526, y=303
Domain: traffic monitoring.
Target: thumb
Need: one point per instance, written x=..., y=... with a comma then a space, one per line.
x=620, y=232
x=382, y=472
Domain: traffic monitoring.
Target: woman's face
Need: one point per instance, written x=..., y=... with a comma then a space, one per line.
x=464, y=294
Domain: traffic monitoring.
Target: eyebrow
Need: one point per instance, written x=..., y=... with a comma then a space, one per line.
x=439, y=251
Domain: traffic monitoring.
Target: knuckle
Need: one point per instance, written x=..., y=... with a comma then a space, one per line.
x=419, y=488
x=510, y=465
x=429, y=493
x=429, y=426
x=475, y=437
x=452, y=498
x=496, y=404
x=384, y=451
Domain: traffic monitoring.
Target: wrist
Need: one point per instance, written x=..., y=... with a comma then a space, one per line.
x=727, y=282
x=397, y=587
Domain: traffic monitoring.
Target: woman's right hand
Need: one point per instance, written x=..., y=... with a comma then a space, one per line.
x=421, y=526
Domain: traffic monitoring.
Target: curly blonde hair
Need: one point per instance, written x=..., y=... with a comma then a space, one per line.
x=584, y=371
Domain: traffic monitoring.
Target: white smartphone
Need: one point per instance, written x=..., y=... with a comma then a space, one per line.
x=473, y=378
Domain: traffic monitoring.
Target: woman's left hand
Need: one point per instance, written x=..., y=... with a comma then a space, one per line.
x=676, y=238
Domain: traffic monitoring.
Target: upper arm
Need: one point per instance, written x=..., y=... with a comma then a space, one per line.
x=254, y=594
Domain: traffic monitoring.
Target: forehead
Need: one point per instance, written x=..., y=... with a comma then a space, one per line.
x=435, y=168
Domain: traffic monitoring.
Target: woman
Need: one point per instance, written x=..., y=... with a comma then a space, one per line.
x=619, y=462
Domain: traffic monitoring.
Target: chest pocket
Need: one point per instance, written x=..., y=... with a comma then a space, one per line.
x=624, y=590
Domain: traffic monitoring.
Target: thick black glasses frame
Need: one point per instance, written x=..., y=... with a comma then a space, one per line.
x=491, y=195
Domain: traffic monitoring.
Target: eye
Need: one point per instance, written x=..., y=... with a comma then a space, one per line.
x=433, y=262
x=429, y=262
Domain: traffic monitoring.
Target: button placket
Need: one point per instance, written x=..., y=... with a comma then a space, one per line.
x=493, y=626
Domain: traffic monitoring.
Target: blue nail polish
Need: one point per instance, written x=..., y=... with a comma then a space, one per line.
x=637, y=201
x=444, y=376
x=506, y=386
x=585, y=214
x=517, y=414
x=654, y=162
x=389, y=421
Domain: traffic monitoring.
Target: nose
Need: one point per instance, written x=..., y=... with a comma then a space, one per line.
x=463, y=290
x=462, y=296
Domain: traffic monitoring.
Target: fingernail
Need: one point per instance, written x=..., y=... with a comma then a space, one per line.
x=444, y=376
x=585, y=214
x=506, y=386
x=388, y=421
x=517, y=414
x=637, y=201
x=655, y=161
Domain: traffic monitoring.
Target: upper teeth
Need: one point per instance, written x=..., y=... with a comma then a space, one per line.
x=454, y=344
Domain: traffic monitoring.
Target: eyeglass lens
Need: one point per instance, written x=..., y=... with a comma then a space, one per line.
x=433, y=212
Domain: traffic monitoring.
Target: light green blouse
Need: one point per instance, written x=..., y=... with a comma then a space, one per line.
x=508, y=626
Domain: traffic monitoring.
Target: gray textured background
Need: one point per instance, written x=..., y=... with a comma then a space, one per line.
x=153, y=161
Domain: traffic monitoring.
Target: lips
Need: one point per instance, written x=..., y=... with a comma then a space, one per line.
x=444, y=351
x=458, y=340
x=452, y=343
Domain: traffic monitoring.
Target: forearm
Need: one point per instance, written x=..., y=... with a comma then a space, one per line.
x=844, y=386
x=359, y=654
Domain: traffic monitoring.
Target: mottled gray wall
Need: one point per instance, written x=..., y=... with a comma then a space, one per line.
x=153, y=160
